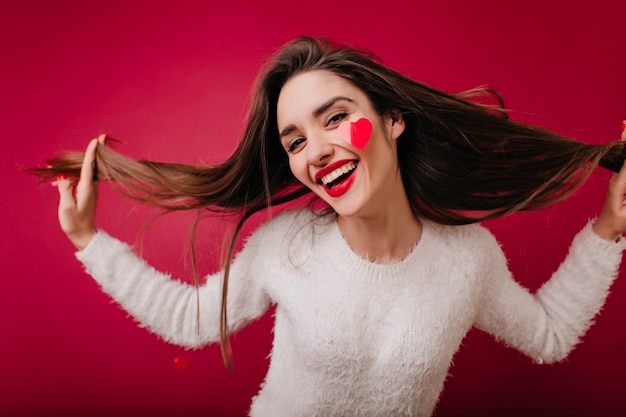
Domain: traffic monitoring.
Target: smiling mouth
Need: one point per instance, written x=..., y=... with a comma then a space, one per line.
x=338, y=175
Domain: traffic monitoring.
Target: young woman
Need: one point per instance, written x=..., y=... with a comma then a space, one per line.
x=375, y=292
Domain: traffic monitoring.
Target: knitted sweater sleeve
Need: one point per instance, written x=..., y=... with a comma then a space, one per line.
x=169, y=307
x=547, y=325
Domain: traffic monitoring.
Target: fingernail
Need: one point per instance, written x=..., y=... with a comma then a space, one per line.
x=62, y=177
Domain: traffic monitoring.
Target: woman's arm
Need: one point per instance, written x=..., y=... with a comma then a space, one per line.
x=547, y=325
x=168, y=307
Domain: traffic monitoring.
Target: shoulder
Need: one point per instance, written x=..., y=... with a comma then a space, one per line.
x=291, y=235
x=289, y=225
x=461, y=235
x=472, y=241
x=473, y=252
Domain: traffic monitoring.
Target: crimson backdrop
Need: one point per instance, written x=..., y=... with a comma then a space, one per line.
x=172, y=79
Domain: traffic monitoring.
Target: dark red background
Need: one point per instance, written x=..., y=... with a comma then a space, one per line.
x=172, y=79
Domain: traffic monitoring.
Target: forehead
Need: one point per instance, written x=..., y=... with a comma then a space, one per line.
x=304, y=93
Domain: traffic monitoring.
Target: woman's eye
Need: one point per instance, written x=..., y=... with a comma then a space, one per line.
x=337, y=118
x=295, y=144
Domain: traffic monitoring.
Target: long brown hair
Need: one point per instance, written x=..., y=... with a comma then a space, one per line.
x=461, y=161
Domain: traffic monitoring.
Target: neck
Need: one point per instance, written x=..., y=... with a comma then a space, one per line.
x=385, y=236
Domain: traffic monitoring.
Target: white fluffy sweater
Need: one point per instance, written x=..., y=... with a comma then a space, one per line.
x=356, y=338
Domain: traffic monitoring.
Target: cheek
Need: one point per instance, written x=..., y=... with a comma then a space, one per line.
x=299, y=169
x=357, y=133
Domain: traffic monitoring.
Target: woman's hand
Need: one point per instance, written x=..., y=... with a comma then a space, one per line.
x=611, y=223
x=77, y=205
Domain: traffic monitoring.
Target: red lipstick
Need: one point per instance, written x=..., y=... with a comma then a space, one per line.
x=330, y=168
x=341, y=181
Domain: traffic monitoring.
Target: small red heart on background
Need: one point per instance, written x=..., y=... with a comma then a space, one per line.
x=180, y=363
x=356, y=133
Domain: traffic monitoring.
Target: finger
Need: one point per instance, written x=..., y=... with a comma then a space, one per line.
x=86, y=189
x=66, y=193
x=623, y=130
x=102, y=139
x=86, y=170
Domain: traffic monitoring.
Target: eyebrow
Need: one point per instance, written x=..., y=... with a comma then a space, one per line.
x=316, y=113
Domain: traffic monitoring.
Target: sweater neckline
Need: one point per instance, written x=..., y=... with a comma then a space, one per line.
x=415, y=256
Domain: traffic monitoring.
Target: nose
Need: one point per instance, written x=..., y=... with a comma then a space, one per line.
x=319, y=149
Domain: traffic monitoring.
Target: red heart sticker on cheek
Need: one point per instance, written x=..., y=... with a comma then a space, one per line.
x=356, y=133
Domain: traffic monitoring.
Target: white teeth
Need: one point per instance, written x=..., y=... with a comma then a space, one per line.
x=328, y=178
